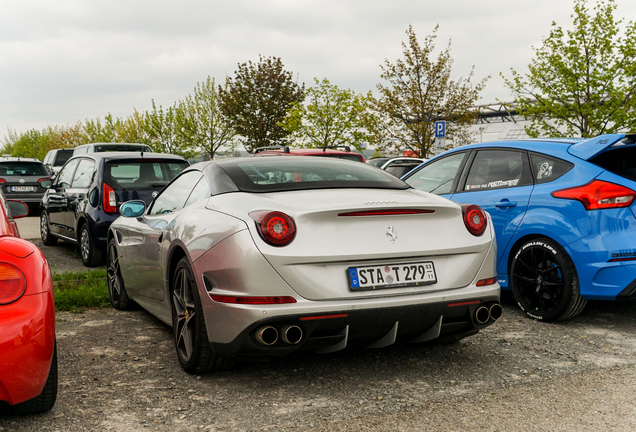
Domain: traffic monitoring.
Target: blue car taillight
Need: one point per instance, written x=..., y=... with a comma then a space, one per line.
x=598, y=195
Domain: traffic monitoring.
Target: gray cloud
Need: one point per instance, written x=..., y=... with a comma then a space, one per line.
x=65, y=61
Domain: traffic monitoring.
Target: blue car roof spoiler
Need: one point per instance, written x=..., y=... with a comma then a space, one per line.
x=591, y=147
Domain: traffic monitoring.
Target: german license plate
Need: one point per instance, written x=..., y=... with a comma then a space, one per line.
x=391, y=276
x=22, y=189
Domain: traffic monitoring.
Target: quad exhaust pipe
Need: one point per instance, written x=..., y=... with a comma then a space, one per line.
x=291, y=334
x=268, y=335
x=495, y=311
x=483, y=314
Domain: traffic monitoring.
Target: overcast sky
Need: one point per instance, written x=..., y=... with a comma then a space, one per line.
x=62, y=61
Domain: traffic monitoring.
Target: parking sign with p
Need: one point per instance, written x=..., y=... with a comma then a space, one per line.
x=440, y=129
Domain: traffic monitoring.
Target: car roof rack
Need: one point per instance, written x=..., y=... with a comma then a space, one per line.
x=285, y=149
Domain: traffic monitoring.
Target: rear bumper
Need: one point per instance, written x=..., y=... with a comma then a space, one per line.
x=234, y=267
x=604, y=259
x=373, y=323
x=27, y=340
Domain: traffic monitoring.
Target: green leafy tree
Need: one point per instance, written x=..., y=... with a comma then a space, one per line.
x=257, y=99
x=67, y=137
x=330, y=117
x=204, y=125
x=164, y=129
x=582, y=81
x=31, y=144
x=34, y=143
x=94, y=131
x=420, y=91
x=133, y=128
x=9, y=139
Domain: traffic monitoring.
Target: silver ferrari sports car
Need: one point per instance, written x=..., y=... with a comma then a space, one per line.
x=259, y=257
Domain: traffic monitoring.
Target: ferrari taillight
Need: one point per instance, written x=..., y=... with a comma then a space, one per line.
x=276, y=228
x=474, y=219
x=110, y=200
x=598, y=195
x=12, y=283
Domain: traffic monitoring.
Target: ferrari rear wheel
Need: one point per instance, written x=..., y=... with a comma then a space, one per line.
x=116, y=289
x=544, y=281
x=188, y=323
x=45, y=231
x=45, y=400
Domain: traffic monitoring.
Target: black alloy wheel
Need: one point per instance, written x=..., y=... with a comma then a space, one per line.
x=188, y=322
x=116, y=289
x=544, y=281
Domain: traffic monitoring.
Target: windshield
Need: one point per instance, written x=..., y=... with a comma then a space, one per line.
x=142, y=173
x=298, y=173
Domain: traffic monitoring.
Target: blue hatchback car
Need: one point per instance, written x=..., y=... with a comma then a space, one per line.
x=563, y=212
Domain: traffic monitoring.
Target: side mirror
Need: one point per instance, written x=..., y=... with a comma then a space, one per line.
x=132, y=208
x=46, y=184
x=17, y=209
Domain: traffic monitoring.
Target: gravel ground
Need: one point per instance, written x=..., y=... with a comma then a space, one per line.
x=119, y=372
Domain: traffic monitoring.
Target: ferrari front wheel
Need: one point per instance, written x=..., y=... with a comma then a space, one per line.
x=188, y=323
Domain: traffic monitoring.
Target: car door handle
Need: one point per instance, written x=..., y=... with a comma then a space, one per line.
x=505, y=203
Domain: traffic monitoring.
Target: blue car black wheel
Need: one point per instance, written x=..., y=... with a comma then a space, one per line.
x=544, y=281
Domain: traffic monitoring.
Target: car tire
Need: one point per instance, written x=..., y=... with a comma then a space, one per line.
x=116, y=290
x=188, y=324
x=45, y=230
x=544, y=281
x=45, y=400
x=91, y=255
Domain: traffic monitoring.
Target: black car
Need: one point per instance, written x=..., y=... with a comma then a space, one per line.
x=85, y=196
x=24, y=179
